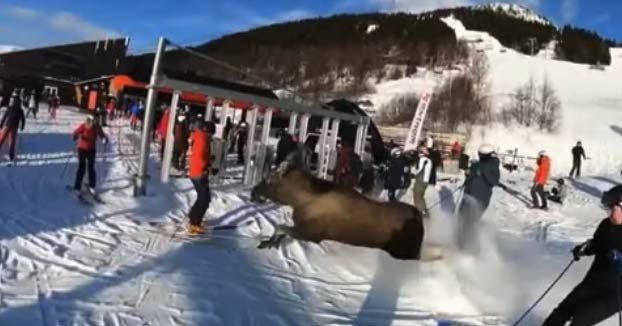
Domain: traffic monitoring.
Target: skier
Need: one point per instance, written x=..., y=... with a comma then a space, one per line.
x=241, y=143
x=368, y=176
x=135, y=114
x=162, y=129
x=86, y=135
x=53, y=104
x=595, y=298
x=181, y=143
x=577, y=154
x=285, y=146
x=12, y=120
x=422, y=179
x=559, y=193
x=199, y=154
x=33, y=105
x=437, y=162
x=397, y=172
x=342, y=168
x=542, y=175
x=481, y=178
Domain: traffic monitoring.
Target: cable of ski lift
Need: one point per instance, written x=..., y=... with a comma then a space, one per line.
x=252, y=76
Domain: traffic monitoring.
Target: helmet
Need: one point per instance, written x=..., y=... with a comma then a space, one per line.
x=395, y=152
x=560, y=181
x=612, y=197
x=181, y=118
x=542, y=153
x=485, y=149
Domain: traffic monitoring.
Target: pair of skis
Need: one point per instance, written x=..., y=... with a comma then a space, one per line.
x=87, y=197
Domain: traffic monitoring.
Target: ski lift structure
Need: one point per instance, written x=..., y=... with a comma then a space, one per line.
x=258, y=119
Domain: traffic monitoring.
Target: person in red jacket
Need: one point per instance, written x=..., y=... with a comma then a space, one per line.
x=86, y=135
x=198, y=172
x=539, y=180
x=162, y=129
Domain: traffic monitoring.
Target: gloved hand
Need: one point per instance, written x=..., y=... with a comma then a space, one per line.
x=580, y=250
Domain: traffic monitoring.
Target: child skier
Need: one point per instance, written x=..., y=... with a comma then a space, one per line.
x=199, y=154
x=86, y=135
x=558, y=194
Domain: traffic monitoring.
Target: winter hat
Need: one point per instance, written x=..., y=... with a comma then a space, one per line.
x=612, y=197
x=542, y=153
x=485, y=149
x=396, y=152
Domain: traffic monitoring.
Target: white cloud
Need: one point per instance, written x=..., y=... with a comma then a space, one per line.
x=66, y=21
x=533, y=4
x=23, y=12
x=30, y=26
x=570, y=8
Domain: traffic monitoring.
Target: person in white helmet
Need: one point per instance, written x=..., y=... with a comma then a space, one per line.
x=422, y=172
x=481, y=178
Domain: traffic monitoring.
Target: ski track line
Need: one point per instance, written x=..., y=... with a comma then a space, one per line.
x=49, y=316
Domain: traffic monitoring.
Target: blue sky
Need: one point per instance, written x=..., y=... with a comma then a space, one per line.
x=31, y=23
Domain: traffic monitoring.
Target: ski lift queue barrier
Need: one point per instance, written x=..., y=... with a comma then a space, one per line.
x=258, y=152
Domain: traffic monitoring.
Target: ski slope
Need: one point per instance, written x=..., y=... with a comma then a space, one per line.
x=64, y=263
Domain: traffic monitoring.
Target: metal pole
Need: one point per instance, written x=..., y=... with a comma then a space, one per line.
x=359, y=140
x=140, y=184
x=322, y=171
x=304, y=124
x=364, y=138
x=293, y=119
x=170, y=139
x=332, y=146
x=262, y=158
x=209, y=109
x=250, y=145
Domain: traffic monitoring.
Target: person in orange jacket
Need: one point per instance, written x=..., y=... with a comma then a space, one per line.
x=198, y=172
x=542, y=175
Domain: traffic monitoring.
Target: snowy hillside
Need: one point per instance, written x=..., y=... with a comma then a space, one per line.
x=516, y=11
x=591, y=102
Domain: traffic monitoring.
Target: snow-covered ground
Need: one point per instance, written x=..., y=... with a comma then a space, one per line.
x=64, y=263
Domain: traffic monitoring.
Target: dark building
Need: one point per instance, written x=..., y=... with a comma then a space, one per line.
x=60, y=66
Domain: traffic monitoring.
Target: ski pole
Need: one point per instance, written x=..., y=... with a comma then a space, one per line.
x=545, y=293
x=447, y=197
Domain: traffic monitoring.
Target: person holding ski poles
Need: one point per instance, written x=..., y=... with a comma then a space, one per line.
x=12, y=121
x=595, y=298
x=481, y=178
x=199, y=154
x=86, y=135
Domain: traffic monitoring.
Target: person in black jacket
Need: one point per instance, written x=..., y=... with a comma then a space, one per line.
x=595, y=298
x=285, y=146
x=577, y=154
x=397, y=172
x=12, y=119
x=482, y=177
x=437, y=162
